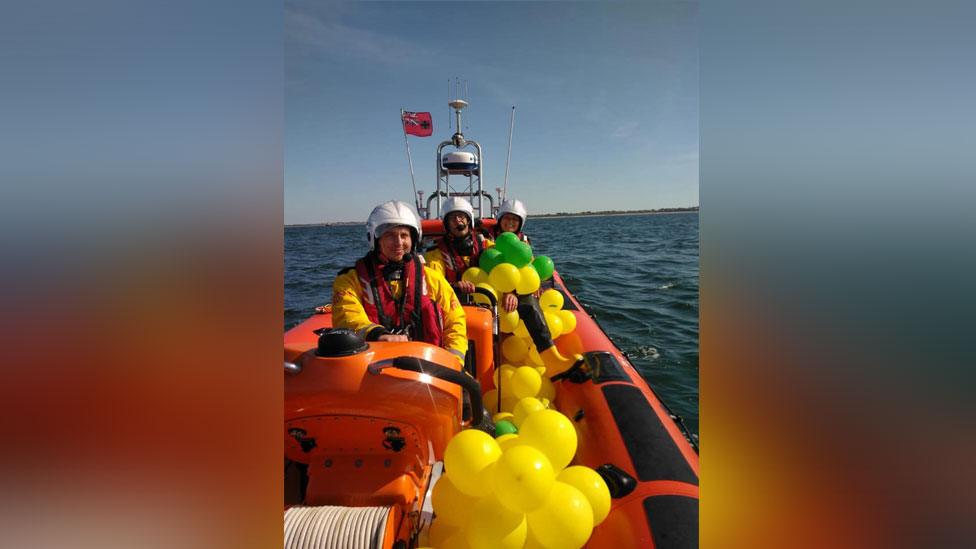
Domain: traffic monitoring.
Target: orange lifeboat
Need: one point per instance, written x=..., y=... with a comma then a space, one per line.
x=366, y=426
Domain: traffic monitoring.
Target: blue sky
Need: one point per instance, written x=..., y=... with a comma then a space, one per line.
x=606, y=98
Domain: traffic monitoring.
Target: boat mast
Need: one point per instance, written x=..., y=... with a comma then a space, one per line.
x=475, y=191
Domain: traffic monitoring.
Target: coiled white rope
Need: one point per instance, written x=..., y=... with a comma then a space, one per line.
x=332, y=527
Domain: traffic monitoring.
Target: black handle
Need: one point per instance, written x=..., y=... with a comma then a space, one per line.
x=491, y=297
x=479, y=419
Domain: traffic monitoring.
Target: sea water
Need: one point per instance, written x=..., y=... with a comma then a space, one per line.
x=638, y=274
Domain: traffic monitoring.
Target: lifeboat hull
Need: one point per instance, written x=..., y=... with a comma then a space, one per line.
x=375, y=437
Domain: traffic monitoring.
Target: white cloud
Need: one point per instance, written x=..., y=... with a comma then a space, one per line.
x=625, y=130
x=332, y=38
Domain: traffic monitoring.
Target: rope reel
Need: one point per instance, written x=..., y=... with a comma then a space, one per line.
x=334, y=527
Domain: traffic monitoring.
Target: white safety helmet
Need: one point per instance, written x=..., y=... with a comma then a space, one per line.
x=514, y=207
x=388, y=215
x=457, y=204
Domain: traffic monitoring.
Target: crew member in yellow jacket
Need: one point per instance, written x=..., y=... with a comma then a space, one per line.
x=389, y=295
x=460, y=248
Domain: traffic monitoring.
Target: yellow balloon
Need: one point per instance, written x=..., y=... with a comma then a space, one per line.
x=514, y=349
x=504, y=277
x=451, y=505
x=502, y=416
x=469, y=459
x=526, y=382
x=508, y=321
x=508, y=394
x=505, y=373
x=520, y=330
x=554, y=323
x=494, y=526
x=591, y=485
x=440, y=531
x=507, y=441
x=457, y=540
x=523, y=478
x=569, y=321
x=524, y=408
x=540, y=369
x=547, y=390
x=474, y=275
x=508, y=405
x=503, y=439
x=564, y=520
x=551, y=299
x=490, y=400
x=482, y=300
x=528, y=280
x=551, y=433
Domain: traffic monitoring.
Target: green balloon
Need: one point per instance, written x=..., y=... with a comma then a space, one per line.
x=519, y=255
x=489, y=258
x=505, y=427
x=543, y=265
x=506, y=242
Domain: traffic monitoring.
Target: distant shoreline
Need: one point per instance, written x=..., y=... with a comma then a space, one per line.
x=606, y=213
x=332, y=224
x=617, y=213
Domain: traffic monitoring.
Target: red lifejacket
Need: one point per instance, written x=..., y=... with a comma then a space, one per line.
x=454, y=262
x=414, y=312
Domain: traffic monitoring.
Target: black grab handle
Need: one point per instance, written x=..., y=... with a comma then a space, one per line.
x=479, y=419
x=491, y=297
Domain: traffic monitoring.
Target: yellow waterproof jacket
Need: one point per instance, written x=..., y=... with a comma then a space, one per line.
x=436, y=260
x=348, y=312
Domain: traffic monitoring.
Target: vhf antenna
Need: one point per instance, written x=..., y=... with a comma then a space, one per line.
x=511, y=129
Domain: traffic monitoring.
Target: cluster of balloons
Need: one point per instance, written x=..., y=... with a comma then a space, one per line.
x=524, y=373
x=560, y=321
x=517, y=490
x=518, y=347
x=508, y=267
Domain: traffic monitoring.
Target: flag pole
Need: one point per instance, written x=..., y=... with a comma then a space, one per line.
x=416, y=199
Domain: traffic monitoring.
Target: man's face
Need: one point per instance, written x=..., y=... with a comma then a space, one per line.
x=457, y=224
x=395, y=243
x=509, y=223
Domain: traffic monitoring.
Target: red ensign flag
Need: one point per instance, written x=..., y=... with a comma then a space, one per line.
x=418, y=123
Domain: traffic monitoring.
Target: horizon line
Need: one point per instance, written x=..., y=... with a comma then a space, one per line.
x=585, y=213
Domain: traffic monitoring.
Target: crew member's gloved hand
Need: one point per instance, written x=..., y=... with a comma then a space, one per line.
x=464, y=287
x=510, y=302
